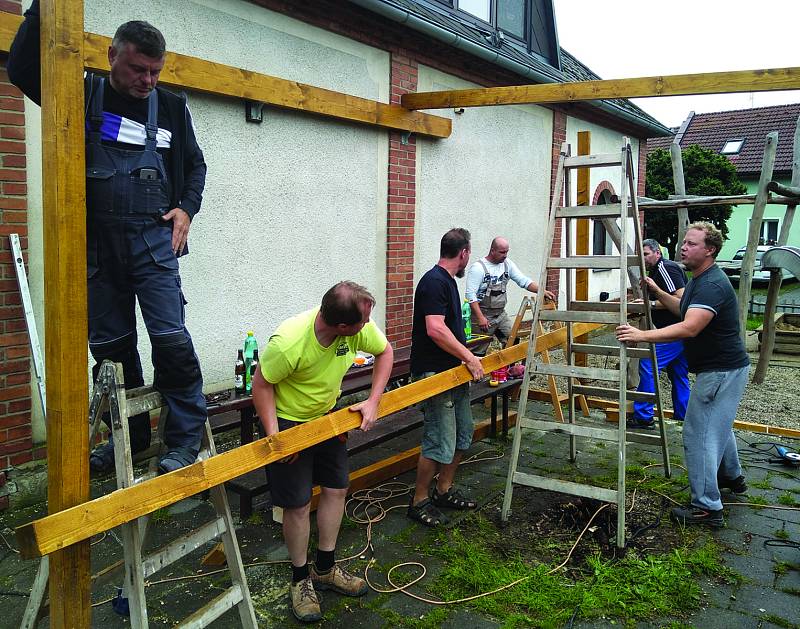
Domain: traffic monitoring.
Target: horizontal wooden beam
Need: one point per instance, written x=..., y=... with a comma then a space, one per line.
x=643, y=87
x=78, y=523
x=695, y=201
x=208, y=77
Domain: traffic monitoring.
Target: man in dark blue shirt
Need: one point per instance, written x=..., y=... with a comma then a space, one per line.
x=671, y=279
x=715, y=352
x=438, y=343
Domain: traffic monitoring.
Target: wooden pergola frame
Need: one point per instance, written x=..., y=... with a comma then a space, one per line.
x=66, y=51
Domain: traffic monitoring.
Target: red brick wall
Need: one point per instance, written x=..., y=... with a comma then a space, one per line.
x=16, y=445
x=559, y=137
x=401, y=212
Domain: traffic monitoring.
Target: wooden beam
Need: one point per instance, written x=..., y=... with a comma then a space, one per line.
x=208, y=77
x=676, y=157
x=582, y=231
x=748, y=262
x=65, y=310
x=60, y=530
x=643, y=87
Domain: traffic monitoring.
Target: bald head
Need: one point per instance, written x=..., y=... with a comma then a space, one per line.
x=498, y=252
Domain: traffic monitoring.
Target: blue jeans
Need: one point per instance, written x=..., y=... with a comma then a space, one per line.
x=448, y=424
x=670, y=356
x=709, y=444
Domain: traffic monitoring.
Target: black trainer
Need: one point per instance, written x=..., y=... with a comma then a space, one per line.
x=177, y=458
x=635, y=422
x=101, y=460
x=737, y=485
x=697, y=515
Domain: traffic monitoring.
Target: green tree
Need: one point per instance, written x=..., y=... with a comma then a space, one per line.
x=706, y=174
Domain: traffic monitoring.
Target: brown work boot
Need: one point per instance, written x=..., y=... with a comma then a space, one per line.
x=339, y=581
x=305, y=604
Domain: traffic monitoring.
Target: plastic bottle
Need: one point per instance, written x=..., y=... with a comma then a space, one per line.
x=238, y=374
x=466, y=314
x=250, y=346
x=253, y=367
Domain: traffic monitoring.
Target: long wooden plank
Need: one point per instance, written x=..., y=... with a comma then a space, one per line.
x=68, y=527
x=65, y=310
x=640, y=87
x=196, y=74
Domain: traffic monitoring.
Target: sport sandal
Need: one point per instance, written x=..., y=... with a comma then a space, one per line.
x=426, y=513
x=452, y=499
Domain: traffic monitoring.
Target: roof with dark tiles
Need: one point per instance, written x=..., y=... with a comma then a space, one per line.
x=713, y=130
x=571, y=68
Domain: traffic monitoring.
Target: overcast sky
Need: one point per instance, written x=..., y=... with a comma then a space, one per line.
x=633, y=38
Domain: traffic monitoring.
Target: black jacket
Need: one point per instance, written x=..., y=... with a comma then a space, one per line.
x=187, y=165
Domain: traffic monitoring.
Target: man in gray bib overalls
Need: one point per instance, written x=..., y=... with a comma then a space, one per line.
x=487, y=282
x=145, y=175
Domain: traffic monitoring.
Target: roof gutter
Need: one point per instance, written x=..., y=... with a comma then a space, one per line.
x=416, y=23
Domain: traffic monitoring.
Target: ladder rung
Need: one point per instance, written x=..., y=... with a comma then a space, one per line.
x=566, y=487
x=182, y=546
x=591, y=262
x=608, y=210
x=605, y=306
x=579, y=430
x=643, y=437
x=573, y=371
x=609, y=350
x=144, y=403
x=593, y=161
x=612, y=394
x=580, y=317
x=213, y=609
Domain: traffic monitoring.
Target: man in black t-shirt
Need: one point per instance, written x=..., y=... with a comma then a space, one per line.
x=715, y=351
x=671, y=279
x=438, y=343
x=145, y=175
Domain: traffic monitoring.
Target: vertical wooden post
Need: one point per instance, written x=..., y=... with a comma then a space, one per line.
x=582, y=232
x=680, y=190
x=776, y=276
x=746, y=273
x=64, y=200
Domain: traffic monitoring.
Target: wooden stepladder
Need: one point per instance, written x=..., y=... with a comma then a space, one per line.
x=522, y=326
x=110, y=395
x=618, y=219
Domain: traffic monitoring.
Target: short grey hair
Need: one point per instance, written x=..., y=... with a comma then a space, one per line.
x=652, y=243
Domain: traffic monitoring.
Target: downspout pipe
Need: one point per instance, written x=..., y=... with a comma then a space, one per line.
x=401, y=16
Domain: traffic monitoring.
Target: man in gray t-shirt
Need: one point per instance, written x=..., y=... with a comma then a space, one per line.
x=709, y=327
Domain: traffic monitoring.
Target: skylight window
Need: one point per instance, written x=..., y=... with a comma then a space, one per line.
x=732, y=147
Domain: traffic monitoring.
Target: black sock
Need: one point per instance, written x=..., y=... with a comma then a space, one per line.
x=324, y=562
x=299, y=573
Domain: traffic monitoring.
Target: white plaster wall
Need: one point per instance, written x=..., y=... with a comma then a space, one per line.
x=491, y=176
x=292, y=205
x=603, y=140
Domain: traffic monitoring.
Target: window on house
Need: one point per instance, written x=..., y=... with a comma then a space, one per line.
x=528, y=22
x=769, y=232
x=511, y=17
x=732, y=147
x=601, y=243
x=479, y=8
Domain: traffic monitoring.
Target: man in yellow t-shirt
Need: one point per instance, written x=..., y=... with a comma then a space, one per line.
x=299, y=379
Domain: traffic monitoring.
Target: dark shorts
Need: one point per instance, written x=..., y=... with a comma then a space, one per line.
x=324, y=464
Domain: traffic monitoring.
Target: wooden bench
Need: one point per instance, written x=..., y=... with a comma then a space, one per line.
x=256, y=483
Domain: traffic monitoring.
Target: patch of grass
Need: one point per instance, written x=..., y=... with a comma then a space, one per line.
x=629, y=589
x=794, y=591
x=160, y=516
x=787, y=499
x=782, y=534
x=780, y=568
x=758, y=500
x=255, y=519
x=777, y=620
x=754, y=322
x=761, y=484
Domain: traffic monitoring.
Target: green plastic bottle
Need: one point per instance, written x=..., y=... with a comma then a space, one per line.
x=466, y=314
x=250, y=347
